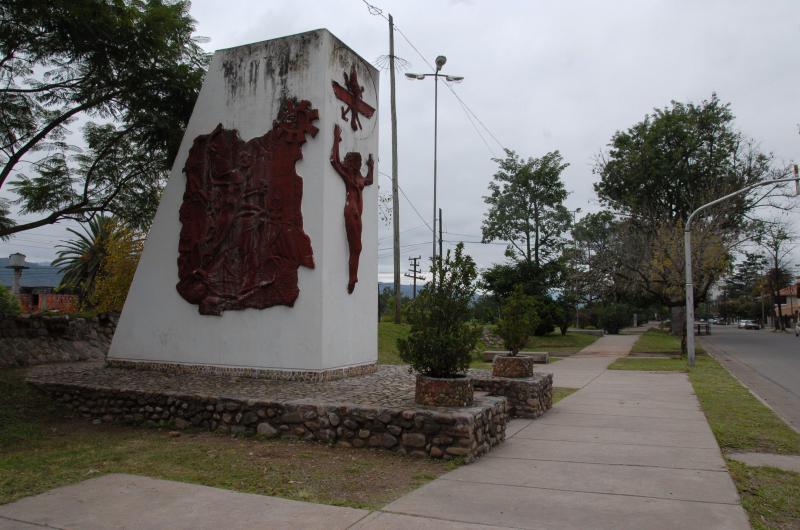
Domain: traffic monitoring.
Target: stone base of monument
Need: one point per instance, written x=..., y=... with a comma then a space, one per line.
x=373, y=411
x=527, y=397
x=259, y=373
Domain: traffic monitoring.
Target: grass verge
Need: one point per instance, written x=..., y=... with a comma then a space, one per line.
x=39, y=450
x=770, y=496
x=659, y=341
x=560, y=393
x=740, y=422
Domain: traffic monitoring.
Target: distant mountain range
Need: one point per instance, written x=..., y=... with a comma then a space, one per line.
x=45, y=275
x=405, y=290
x=38, y=275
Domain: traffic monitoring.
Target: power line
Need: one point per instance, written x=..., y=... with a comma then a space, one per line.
x=376, y=11
x=409, y=201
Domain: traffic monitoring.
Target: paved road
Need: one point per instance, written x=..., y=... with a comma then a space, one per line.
x=767, y=362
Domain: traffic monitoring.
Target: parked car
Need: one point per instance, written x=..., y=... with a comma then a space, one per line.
x=748, y=324
x=797, y=329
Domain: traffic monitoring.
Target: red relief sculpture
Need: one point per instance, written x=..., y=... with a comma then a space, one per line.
x=242, y=236
x=350, y=94
x=350, y=171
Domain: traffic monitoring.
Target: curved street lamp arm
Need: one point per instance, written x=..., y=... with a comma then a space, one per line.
x=687, y=246
x=689, y=220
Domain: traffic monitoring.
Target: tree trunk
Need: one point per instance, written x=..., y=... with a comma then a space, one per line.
x=678, y=319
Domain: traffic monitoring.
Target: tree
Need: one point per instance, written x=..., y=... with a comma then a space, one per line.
x=130, y=64
x=776, y=239
x=613, y=317
x=517, y=319
x=659, y=171
x=441, y=337
x=80, y=259
x=526, y=208
x=677, y=159
x=123, y=250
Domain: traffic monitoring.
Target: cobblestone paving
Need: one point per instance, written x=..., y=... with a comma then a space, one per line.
x=390, y=386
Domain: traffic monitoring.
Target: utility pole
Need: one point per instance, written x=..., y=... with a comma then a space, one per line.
x=440, y=233
x=414, y=273
x=395, y=198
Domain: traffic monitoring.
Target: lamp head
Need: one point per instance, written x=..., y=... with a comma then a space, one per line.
x=414, y=76
x=454, y=78
x=440, y=62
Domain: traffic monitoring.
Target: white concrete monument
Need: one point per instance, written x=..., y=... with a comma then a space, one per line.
x=262, y=258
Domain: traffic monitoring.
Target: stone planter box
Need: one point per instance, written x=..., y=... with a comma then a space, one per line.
x=527, y=398
x=444, y=391
x=516, y=366
x=539, y=357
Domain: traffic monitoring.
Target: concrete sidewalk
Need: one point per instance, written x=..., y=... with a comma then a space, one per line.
x=582, y=368
x=629, y=450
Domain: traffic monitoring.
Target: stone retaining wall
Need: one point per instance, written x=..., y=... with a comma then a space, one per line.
x=440, y=433
x=37, y=339
x=527, y=398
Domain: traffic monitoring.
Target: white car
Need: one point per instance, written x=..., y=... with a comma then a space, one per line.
x=748, y=324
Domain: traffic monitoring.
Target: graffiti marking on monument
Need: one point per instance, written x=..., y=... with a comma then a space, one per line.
x=350, y=171
x=351, y=94
x=242, y=237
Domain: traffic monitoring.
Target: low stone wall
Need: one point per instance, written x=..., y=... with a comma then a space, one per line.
x=527, y=398
x=36, y=339
x=440, y=433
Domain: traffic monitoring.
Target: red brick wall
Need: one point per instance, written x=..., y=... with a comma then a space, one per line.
x=64, y=303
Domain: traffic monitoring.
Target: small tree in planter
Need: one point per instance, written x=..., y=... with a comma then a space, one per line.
x=441, y=338
x=518, y=317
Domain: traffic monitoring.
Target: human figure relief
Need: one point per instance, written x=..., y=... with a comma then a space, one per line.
x=350, y=171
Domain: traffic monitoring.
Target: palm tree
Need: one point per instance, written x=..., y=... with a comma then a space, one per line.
x=81, y=258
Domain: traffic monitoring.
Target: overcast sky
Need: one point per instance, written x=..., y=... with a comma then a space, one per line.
x=540, y=76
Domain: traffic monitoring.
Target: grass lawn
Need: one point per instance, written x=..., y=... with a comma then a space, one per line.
x=389, y=332
x=560, y=393
x=659, y=341
x=555, y=342
x=40, y=450
x=740, y=422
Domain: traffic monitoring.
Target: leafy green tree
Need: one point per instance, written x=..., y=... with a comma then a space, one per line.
x=659, y=171
x=517, y=318
x=441, y=336
x=526, y=208
x=677, y=159
x=9, y=305
x=80, y=259
x=132, y=66
x=613, y=317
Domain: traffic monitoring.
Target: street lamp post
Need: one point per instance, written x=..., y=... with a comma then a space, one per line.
x=440, y=60
x=687, y=246
x=575, y=244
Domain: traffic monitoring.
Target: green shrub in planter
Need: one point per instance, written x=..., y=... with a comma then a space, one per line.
x=441, y=336
x=518, y=317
